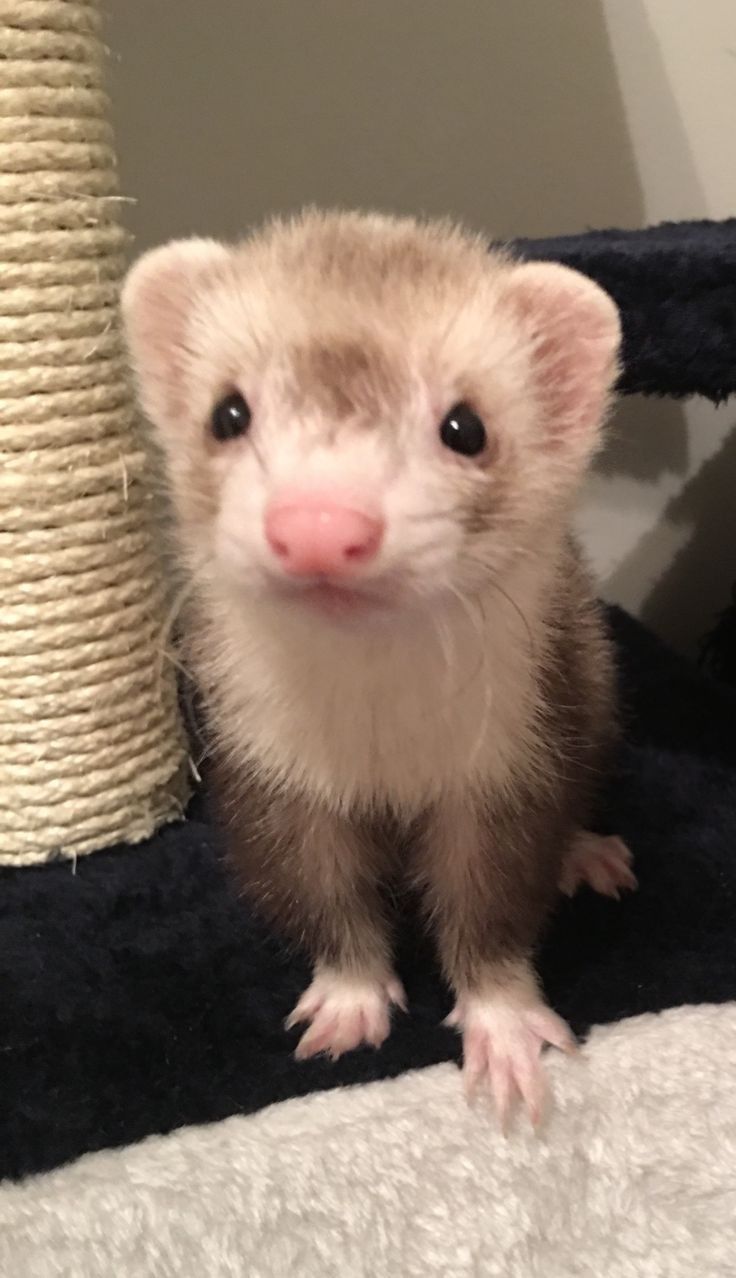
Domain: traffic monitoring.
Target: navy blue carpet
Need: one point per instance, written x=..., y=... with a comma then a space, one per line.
x=138, y=993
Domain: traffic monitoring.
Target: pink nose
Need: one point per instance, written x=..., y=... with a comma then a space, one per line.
x=314, y=535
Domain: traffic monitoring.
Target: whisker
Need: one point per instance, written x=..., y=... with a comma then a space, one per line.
x=447, y=648
x=258, y=455
x=430, y=516
x=465, y=604
x=164, y=649
x=478, y=626
x=490, y=580
x=505, y=594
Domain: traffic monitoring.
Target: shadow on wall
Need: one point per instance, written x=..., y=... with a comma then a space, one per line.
x=694, y=584
x=506, y=115
x=647, y=438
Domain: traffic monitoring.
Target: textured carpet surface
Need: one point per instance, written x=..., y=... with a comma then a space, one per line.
x=632, y=1178
x=676, y=287
x=139, y=995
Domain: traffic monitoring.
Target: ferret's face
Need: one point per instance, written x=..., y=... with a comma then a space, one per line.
x=361, y=414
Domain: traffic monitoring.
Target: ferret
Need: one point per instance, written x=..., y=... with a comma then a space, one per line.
x=374, y=431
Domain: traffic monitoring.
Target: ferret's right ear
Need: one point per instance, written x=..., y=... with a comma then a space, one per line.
x=156, y=304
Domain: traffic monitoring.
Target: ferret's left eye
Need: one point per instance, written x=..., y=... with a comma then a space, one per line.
x=463, y=431
x=231, y=417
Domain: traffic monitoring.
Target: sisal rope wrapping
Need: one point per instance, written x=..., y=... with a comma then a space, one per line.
x=92, y=751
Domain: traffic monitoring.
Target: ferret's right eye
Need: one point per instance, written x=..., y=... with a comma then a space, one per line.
x=230, y=418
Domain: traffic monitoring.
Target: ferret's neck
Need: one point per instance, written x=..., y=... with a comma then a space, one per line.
x=396, y=712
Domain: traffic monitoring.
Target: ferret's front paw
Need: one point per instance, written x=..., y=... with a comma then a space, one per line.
x=502, y=1044
x=603, y=862
x=344, y=1012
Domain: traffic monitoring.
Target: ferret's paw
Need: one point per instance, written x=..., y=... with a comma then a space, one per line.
x=502, y=1045
x=603, y=862
x=344, y=1012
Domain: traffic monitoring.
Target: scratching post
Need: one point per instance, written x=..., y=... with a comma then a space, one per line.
x=92, y=751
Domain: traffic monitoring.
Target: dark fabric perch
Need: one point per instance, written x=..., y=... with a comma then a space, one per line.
x=138, y=994
x=676, y=287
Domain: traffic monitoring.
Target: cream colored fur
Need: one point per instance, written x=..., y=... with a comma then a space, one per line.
x=632, y=1177
x=407, y=712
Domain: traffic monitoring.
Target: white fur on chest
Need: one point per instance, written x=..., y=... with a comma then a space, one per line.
x=401, y=713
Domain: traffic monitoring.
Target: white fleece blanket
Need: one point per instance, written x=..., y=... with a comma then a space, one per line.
x=634, y=1175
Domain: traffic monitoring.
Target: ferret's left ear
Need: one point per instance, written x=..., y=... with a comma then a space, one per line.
x=158, y=297
x=576, y=334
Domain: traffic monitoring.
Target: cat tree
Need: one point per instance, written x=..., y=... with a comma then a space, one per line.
x=92, y=750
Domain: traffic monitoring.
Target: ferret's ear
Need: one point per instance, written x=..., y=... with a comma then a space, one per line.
x=576, y=334
x=156, y=303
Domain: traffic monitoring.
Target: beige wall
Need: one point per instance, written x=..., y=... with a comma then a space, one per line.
x=520, y=116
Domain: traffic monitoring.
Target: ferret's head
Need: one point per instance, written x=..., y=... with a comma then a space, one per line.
x=367, y=410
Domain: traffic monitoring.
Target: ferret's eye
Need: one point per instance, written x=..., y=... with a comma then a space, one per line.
x=463, y=431
x=231, y=417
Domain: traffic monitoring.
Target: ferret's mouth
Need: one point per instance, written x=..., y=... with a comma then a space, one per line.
x=340, y=600
x=336, y=599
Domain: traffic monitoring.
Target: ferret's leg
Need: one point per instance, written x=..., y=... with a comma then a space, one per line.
x=487, y=888
x=603, y=862
x=342, y=923
x=316, y=875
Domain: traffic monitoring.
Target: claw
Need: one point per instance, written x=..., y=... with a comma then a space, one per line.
x=503, y=1040
x=604, y=863
x=343, y=1012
